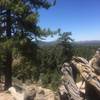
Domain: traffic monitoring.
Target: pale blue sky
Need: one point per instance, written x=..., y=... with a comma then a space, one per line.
x=81, y=17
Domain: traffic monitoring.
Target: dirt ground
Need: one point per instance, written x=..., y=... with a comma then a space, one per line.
x=5, y=96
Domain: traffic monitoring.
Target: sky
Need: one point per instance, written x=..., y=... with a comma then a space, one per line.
x=81, y=17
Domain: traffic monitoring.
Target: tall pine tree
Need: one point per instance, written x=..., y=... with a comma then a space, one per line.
x=18, y=18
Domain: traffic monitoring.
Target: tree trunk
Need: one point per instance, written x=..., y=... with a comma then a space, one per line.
x=8, y=24
x=8, y=67
x=8, y=71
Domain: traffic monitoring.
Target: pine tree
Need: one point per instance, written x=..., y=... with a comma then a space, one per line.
x=18, y=18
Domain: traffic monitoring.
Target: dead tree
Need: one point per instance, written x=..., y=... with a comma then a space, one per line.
x=72, y=92
x=91, y=79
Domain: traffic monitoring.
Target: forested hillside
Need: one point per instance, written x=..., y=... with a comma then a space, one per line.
x=84, y=49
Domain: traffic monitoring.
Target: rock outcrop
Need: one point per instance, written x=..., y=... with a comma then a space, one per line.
x=40, y=93
x=31, y=92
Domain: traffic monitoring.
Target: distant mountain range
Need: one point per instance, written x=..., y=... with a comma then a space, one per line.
x=89, y=43
x=43, y=43
x=83, y=43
